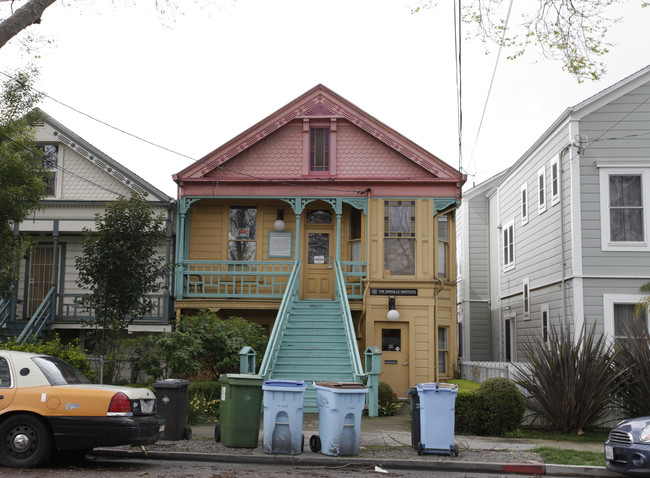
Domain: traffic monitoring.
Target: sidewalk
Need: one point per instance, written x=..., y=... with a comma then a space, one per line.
x=384, y=442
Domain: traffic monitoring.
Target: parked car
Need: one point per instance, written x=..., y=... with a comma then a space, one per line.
x=627, y=449
x=46, y=405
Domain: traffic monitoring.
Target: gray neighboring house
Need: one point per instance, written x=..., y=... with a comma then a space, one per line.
x=563, y=235
x=84, y=180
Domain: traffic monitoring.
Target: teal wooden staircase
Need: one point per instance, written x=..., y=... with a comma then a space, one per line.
x=38, y=326
x=314, y=347
x=312, y=340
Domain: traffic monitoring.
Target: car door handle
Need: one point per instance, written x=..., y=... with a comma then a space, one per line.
x=405, y=363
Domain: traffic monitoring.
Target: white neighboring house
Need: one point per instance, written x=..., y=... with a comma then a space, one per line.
x=562, y=236
x=84, y=181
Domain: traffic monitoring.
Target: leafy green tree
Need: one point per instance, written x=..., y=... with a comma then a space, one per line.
x=171, y=355
x=22, y=175
x=573, y=32
x=222, y=340
x=120, y=266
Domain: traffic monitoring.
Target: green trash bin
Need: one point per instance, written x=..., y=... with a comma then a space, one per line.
x=241, y=410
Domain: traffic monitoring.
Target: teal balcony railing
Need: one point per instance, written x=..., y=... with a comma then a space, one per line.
x=252, y=279
x=353, y=273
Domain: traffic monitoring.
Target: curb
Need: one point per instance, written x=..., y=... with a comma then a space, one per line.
x=322, y=461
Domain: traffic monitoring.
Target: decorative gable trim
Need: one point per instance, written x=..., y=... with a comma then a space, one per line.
x=320, y=102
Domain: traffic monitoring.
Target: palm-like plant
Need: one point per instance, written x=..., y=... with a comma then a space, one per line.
x=569, y=383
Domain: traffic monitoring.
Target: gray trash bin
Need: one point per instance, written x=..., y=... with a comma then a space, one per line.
x=171, y=402
x=283, y=416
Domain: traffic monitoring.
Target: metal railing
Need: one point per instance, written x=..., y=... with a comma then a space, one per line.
x=289, y=298
x=342, y=298
x=41, y=318
x=258, y=279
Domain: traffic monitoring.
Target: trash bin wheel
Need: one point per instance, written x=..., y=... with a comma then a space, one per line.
x=302, y=444
x=217, y=432
x=314, y=443
x=455, y=449
x=419, y=448
x=187, y=433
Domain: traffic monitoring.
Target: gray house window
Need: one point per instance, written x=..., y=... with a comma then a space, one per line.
x=509, y=246
x=625, y=208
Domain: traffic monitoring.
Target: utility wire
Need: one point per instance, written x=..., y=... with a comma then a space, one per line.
x=222, y=168
x=494, y=72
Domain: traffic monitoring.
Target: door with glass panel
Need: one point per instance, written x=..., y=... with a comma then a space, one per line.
x=318, y=255
x=394, y=340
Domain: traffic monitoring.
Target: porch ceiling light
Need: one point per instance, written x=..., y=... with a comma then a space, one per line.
x=279, y=224
x=392, y=314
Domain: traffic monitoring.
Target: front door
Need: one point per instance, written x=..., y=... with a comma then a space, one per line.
x=394, y=340
x=318, y=274
x=41, y=265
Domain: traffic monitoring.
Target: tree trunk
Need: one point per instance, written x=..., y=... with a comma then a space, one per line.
x=22, y=18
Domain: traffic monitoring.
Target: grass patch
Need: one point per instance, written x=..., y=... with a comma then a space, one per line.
x=541, y=434
x=465, y=385
x=559, y=456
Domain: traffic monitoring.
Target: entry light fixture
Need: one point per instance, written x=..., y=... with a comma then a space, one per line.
x=392, y=314
x=279, y=225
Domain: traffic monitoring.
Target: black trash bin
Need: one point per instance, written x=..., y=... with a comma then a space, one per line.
x=415, y=416
x=172, y=406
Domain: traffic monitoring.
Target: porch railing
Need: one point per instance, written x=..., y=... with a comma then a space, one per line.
x=41, y=319
x=353, y=273
x=257, y=279
x=342, y=298
x=70, y=311
x=289, y=298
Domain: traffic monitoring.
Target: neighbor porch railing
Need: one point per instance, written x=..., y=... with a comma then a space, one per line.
x=289, y=298
x=42, y=318
x=4, y=312
x=70, y=311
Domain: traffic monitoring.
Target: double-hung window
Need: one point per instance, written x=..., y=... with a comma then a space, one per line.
x=319, y=150
x=526, y=297
x=541, y=190
x=555, y=180
x=524, y=204
x=443, y=246
x=51, y=164
x=619, y=312
x=399, y=237
x=624, y=207
x=509, y=246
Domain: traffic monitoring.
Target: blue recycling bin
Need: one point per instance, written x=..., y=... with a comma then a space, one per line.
x=340, y=405
x=437, y=420
x=283, y=413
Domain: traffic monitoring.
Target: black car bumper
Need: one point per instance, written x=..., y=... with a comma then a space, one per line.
x=78, y=433
x=631, y=459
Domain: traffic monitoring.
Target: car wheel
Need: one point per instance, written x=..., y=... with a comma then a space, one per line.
x=25, y=442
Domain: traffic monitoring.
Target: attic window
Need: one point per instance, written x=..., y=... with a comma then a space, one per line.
x=319, y=150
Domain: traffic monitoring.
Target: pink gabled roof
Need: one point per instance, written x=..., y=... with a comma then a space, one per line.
x=317, y=102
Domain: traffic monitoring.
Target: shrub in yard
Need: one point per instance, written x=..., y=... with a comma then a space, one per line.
x=569, y=382
x=499, y=407
x=465, y=412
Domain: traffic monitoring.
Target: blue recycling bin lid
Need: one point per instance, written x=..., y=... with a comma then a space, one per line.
x=437, y=387
x=286, y=385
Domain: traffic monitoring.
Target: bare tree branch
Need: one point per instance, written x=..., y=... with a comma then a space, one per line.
x=22, y=18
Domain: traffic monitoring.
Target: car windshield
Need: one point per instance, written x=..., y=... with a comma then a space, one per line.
x=59, y=372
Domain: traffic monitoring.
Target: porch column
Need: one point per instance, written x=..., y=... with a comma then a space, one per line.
x=55, y=266
x=338, y=209
x=183, y=207
x=297, y=246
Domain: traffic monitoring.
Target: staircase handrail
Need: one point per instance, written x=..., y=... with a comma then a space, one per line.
x=290, y=294
x=4, y=312
x=342, y=296
x=40, y=318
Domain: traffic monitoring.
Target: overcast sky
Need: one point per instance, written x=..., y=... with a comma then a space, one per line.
x=191, y=81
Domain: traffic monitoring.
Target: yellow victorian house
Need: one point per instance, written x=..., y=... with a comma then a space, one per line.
x=334, y=231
